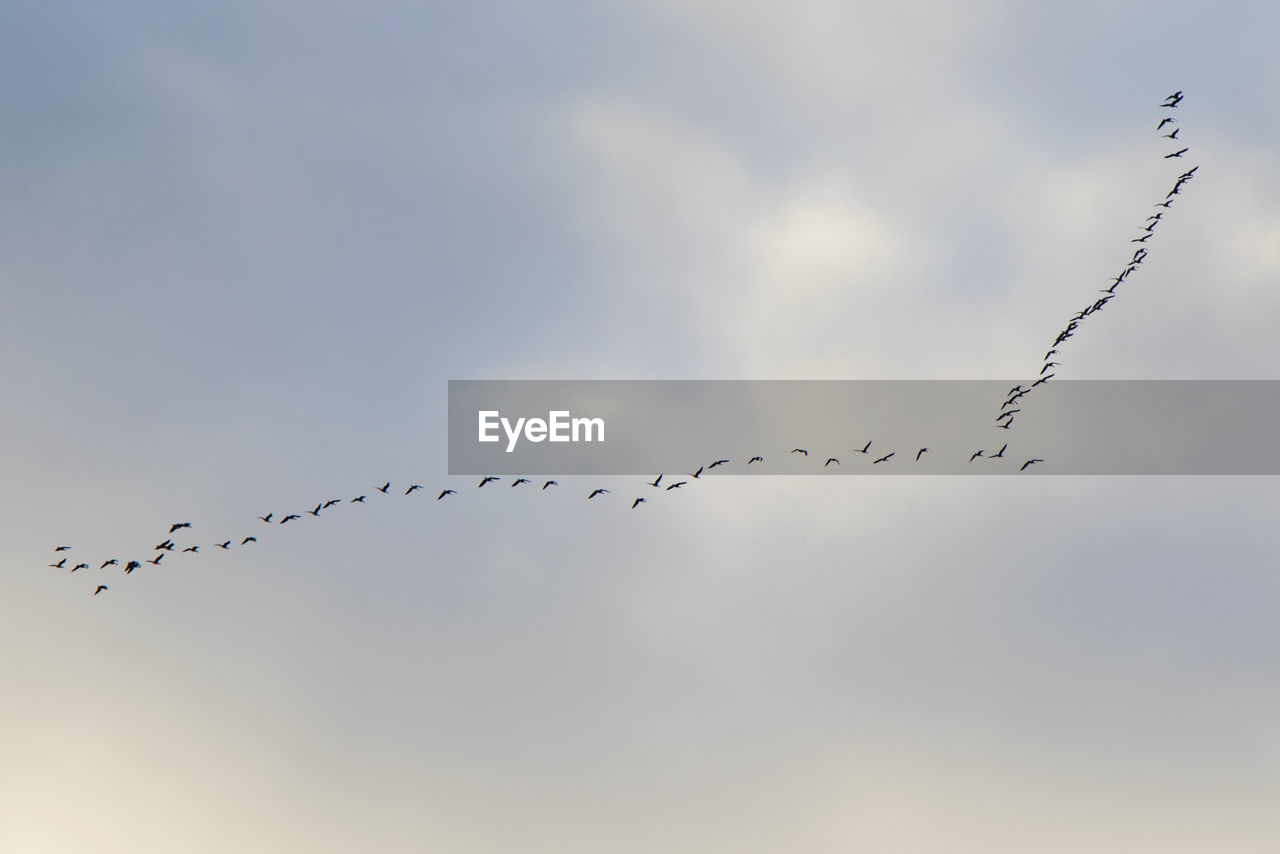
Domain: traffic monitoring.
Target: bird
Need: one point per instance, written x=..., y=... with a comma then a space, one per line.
x=1043, y=379
x=865, y=447
x=885, y=457
x=383, y=489
x=550, y=483
x=637, y=503
x=290, y=516
x=316, y=512
x=1029, y=463
x=489, y=479
x=1143, y=239
x=999, y=455
x=1172, y=100
x=1178, y=153
x=657, y=480
x=167, y=545
x=716, y=463
x=445, y=492
x=1164, y=204
x=158, y=558
x=677, y=485
x=331, y=502
x=225, y=544
x=1173, y=135
x=976, y=454
x=267, y=518
x=62, y=564
x=412, y=488
x=80, y=566
x=358, y=500
x=62, y=548
x=1166, y=120
x=248, y=540
x=697, y=474
x=101, y=587
x=919, y=452
x=799, y=451
x=192, y=549
x=131, y=566
x=1006, y=425
x=1156, y=217
x=755, y=460
x=177, y=525
x=1048, y=365
x=829, y=461
x=112, y=562
x=519, y=481
x=1008, y=414
x=1050, y=353
x=597, y=492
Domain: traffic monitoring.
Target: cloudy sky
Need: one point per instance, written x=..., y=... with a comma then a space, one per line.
x=244, y=247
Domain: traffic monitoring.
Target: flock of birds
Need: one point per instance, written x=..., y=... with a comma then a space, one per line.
x=1004, y=420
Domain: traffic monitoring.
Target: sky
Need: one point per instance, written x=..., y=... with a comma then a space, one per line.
x=245, y=246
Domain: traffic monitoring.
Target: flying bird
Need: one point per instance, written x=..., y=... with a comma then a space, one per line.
x=1178, y=153
x=1043, y=379
x=331, y=502
x=192, y=549
x=716, y=463
x=976, y=454
x=445, y=492
x=697, y=474
x=62, y=564
x=676, y=485
x=290, y=516
x=657, y=480
x=131, y=566
x=1166, y=120
x=829, y=461
x=1001, y=454
x=159, y=558
x=359, y=500
x=112, y=562
x=316, y=512
x=885, y=457
x=519, y=481
x=597, y=492
x=1143, y=239
x=167, y=545
x=177, y=525
x=412, y=488
x=101, y=587
x=865, y=447
x=1029, y=463
x=267, y=518
x=919, y=452
x=1172, y=100
x=799, y=451
x=62, y=548
x=755, y=460
x=550, y=483
x=80, y=566
x=637, y=503
x=1173, y=135
x=489, y=479
x=383, y=489
x=248, y=540
x=225, y=544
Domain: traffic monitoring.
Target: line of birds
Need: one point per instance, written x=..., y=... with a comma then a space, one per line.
x=1005, y=418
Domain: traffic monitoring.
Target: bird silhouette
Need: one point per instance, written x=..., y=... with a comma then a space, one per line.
x=1029, y=463
x=1177, y=153
x=158, y=558
x=131, y=566
x=383, y=489
x=358, y=500
x=112, y=562
x=225, y=544
x=177, y=525
x=716, y=463
x=290, y=516
x=1173, y=135
x=597, y=492
x=445, y=492
x=1000, y=454
x=1166, y=120
x=331, y=502
x=101, y=587
x=884, y=458
x=488, y=480
x=657, y=480
x=316, y=512
x=799, y=451
x=247, y=540
x=676, y=485
x=267, y=518
x=167, y=545
x=519, y=481
x=755, y=460
x=413, y=487
x=550, y=483
x=62, y=548
x=865, y=447
x=80, y=566
x=697, y=474
x=976, y=454
x=192, y=549
x=919, y=452
x=62, y=564
x=829, y=461
x=1172, y=100
x=637, y=503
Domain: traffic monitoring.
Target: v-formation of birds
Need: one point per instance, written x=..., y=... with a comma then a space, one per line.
x=1004, y=420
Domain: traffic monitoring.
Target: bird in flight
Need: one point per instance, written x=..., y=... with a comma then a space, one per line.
x=799, y=451
x=1172, y=100
x=1178, y=153
x=225, y=544
x=829, y=461
x=178, y=525
x=167, y=545
x=976, y=454
x=487, y=480
x=383, y=489
x=657, y=480
x=919, y=452
x=676, y=485
x=316, y=512
x=755, y=460
x=716, y=463
x=80, y=566
x=519, y=481
x=267, y=518
x=101, y=587
x=445, y=492
x=62, y=548
x=1000, y=454
x=290, y=516
x=112, y=562
x=412, y=487
x=358, y=500
x=1166, y=120
x=637, y=503
x=550, y=483
x=1029, y=463
x=248, y=540
x=192, y=549
x=697, y=474
x=331, y=502
x=885, y=457
x=1173, y=135
x=159, y=558
x=131, y=566
x=865, y=447
x=597, y=492
x=62, y=564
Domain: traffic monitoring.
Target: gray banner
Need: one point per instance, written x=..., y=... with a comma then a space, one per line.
x=628, y=427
